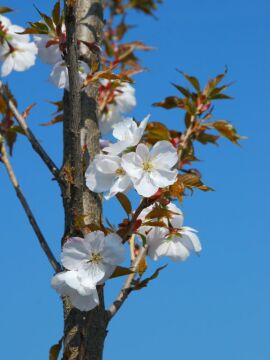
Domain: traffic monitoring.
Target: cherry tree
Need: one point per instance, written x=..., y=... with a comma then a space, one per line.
x=107, y=153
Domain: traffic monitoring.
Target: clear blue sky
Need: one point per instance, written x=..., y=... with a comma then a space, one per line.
x=211, y=307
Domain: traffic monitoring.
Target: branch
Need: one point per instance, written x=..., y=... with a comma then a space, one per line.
x=31, y=137
x=127, y=287
x=4, y=158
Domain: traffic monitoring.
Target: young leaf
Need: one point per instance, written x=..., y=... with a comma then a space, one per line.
x=170, y=102
x=140, y=284
x=193, y=81
x=55, y=351
x=55, y=120
x=56, y=13
x=5, y=9
x=191, y=180
x=120, y=271
x=227, y=130
x=124, y=201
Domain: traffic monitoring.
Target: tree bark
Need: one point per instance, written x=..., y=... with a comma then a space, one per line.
x=84, y=332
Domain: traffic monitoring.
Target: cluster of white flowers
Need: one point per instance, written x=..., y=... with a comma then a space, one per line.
x=50, y=52
x=16, y=51
x=176, y=243
x=88, y=262
x=145, y=169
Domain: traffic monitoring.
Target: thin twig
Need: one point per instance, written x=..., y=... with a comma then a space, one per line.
x=31, y=137
x=43, y=243
x=185, y=137
x=127, y=287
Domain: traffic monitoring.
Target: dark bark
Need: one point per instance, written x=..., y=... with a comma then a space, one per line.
x=84, y=332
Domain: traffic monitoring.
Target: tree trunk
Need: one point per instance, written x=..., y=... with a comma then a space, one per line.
x=84, y=332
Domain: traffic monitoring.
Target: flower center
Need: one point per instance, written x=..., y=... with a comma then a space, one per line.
x=148, y=166
x=96, y=258
x=120, y=172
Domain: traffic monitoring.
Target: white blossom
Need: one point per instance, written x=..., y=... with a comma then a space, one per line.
x=16, y=51
x=94, y=257
x=88, y=262
x=128, y=133
x=150, y=170
x=18, y=57
x=124, y=102
x=59, y=74
x=67, y=283
x=11, y=31
x=108, y=119
x=105, y=173
x=48, y=54
x=48, y=46
x=176, y=244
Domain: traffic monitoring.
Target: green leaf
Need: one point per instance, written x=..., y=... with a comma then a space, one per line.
x=124, y=201
x=121, y=271
x=5, y=9
x=55, y=351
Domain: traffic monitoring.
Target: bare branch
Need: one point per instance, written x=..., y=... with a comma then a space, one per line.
x=31, y=137
x=127, y=287
x=43, y=243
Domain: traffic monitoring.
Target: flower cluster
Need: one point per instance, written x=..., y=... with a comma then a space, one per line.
x=17, y=52
x=115, y=99
x=173, y=240
x=89, y=262
x=145, y=169
x=51, y=48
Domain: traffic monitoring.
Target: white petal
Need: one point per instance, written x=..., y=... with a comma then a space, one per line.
x=176, y=220
x=97, y=181
x=164, y=155
x=94, y=241
x=5, y=21
x=190, y=240
x=91, y=273
x=143, y=152
x=126, y=100
x=132, y=164
x=7, y=66
x=59, y=76
x=117, y=148
x=21, y=38
x=108, y=164
x=114, y=251
x=163, y=178
x=61, y=283
x=85, y=303
x=106, y=121
x=48, y=55
x=121, y=128
x=122, y=184
x=74, y=253
x=175, y=251
x=144, y=186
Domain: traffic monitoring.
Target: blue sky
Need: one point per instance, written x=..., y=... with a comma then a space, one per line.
x=215, y=306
